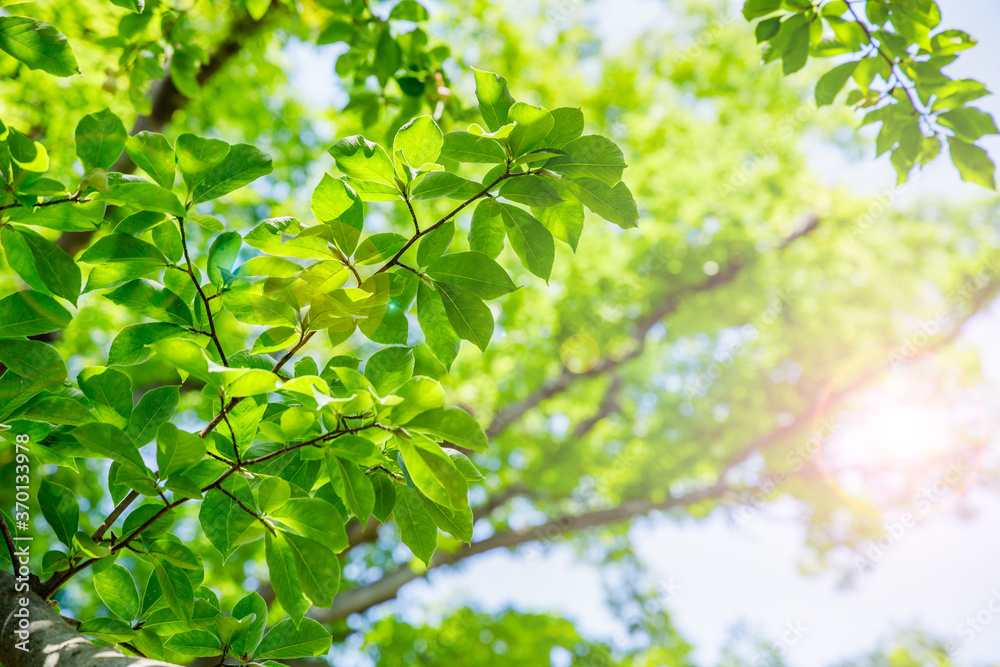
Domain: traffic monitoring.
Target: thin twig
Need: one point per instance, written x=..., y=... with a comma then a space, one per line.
x=115, y=513
x=75, y=198
x=208, y=307
x=249, y=511
x=482, y=193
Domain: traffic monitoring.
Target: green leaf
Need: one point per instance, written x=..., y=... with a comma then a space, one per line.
x=107, y=629
x=352, y=486
x=420, y=140
x=567, y=125
x=109, y=441
x=225, y=523
x=474, y=272
x=355, y=448
x=363, y=160
x=222, y=255
x=110, y=391
x=242, y=165
x=32, y=359
x=433, y=472
x=176, y=587
x=60, y=509
x=55, y=269
x=592, y=156
x=196, y=643
x=287, y=586
x=467, y=147
x=152, y=153
x=117, y=590
x=129, y=346
x=408, y=10
x=177, y=451
x=613, y=204
x=469, y=317
x=272, y=493
x=38, y=45
x=530, y=191
x=58, y=410
x=100, y=139
x=378, y=248
x=168, y=239
x=252, y=308
x=389, y=368
x=438, y=184
x=753, y=9
x=468, y=469
x=289, y=238
x=318, y=569
x=151, y=300
x=337, y=205
x=250, y=382
x=455, y=522
x=494, y=99
x=973, y=164
x=122, y=248
x=245, y=641
x=286, y=641
x=68, y=217
x=833, y=82
x=20, y=258
x=968, y=123
x=564, y=221
x=385, y=495
x=154, y=409
x=487, y=231
x=171, y=550
x=316, y=519
x=417, y=529
x=30, y=313
x=533, y=125
x=796, y=52
x=435, y=243
x=196, y=157
x=530, y=239
x=452, y=424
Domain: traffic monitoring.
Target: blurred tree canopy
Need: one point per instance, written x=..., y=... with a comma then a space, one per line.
x=234, y=305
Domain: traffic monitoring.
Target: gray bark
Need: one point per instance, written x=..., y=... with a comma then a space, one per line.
x=51, y=642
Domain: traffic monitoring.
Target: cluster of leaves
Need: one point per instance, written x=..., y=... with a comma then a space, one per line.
x=290, y=458
x=894, y=51
x=385, y=50
x=156, y=40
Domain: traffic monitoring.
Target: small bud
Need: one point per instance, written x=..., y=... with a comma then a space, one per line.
x=95, y=179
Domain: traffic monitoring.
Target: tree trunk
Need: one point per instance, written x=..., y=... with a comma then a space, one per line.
x=51, y=642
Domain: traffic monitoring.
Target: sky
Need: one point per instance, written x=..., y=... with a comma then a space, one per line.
x=723, y=574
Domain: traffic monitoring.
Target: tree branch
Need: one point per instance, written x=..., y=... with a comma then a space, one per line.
x=509, y=414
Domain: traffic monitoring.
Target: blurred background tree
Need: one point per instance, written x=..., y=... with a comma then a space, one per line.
x=704, y=364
